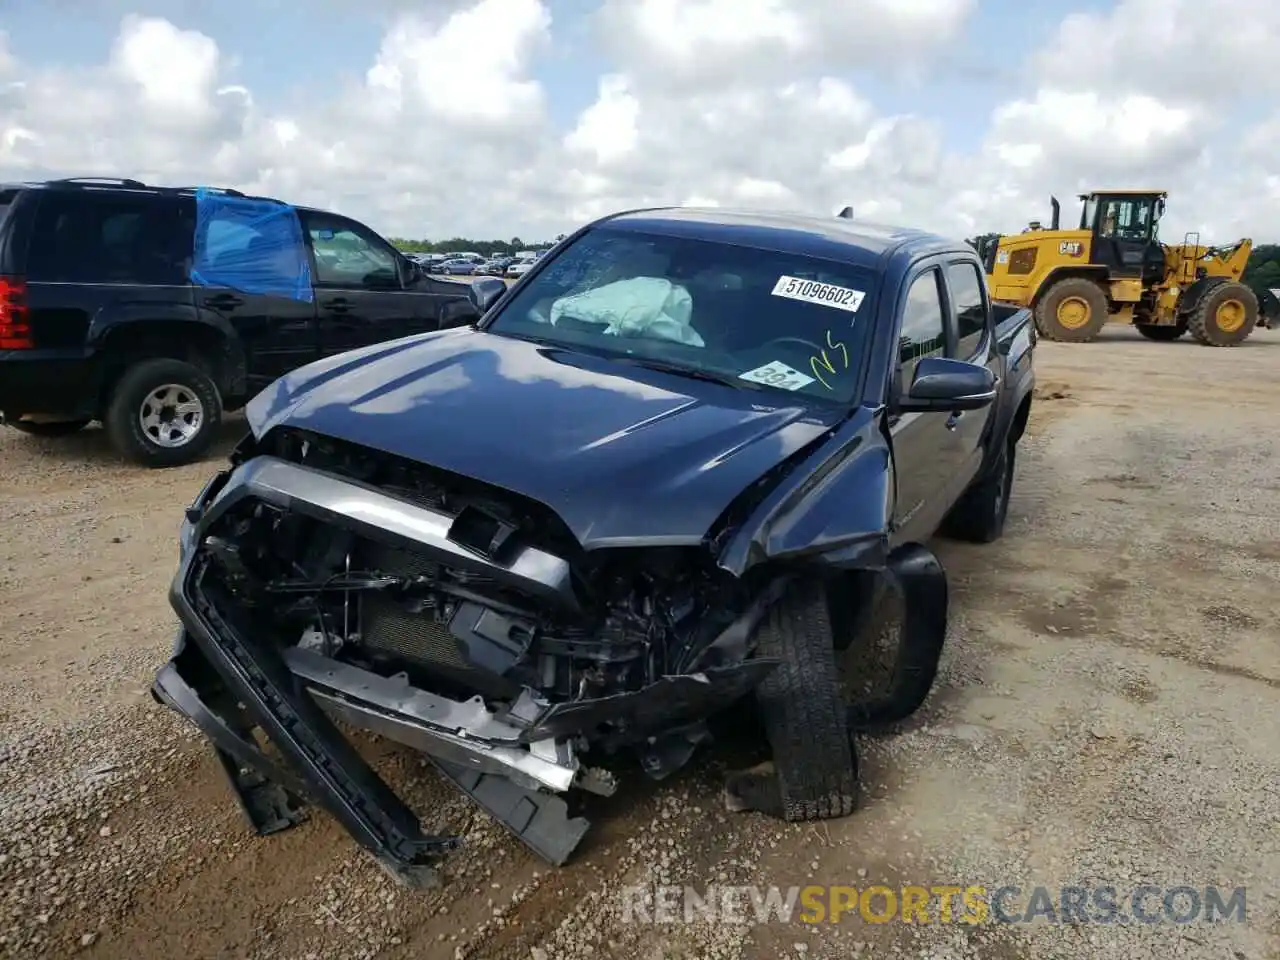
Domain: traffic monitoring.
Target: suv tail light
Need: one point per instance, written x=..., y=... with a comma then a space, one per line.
x=15, y=328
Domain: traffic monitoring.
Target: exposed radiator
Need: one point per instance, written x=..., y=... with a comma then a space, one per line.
x=386, y=625
x=393, y=627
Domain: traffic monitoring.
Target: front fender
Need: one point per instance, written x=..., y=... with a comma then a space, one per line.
x=1192, y=295
x=835, y=507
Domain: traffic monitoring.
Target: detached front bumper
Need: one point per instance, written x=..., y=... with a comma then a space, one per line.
x=294, y=699
x=231, y=683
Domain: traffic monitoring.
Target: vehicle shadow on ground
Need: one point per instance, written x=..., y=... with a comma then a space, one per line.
x=92, y=445
x=1118, y=333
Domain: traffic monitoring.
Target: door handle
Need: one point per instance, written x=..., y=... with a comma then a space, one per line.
x=953, y=421
x=224, y=300
x=337, y=305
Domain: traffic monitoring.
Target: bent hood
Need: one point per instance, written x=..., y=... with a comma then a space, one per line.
x=624, y=455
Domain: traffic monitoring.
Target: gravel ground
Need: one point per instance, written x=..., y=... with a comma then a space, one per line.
x=1106, y=715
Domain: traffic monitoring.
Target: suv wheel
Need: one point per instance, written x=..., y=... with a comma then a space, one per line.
x=163, y=412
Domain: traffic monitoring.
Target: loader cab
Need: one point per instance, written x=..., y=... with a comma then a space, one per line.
x=1125, y=227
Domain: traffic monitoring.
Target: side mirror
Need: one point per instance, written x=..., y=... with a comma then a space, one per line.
x=485, y=292
x=942, y=384
x=410, y=270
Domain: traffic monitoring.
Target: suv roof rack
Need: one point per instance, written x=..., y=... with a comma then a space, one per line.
x=100, y=181
x=128, y=183
x=227, y=190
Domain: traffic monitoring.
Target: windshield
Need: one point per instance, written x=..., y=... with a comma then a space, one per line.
x=754, y=318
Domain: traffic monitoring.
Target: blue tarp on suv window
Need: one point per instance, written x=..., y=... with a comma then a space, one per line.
x=250, y=245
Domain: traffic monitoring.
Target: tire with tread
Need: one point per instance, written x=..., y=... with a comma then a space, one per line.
x=1162, y=332
x=1046, y=310
x=59, y=428
x=803, y=710
x=1202, y=321
x=979, y=516
x=138, y=380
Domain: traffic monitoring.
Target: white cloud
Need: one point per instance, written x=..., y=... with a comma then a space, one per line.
x=609, y=129
x=174, y=71
x=446, y=128
x=421, y=64
x=689, y=43
x=1186, y=50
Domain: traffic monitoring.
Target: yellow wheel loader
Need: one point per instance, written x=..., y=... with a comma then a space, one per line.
x=1113, y=268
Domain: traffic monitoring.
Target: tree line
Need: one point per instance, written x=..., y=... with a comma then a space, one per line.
x=486, y=248
x=1263, y=271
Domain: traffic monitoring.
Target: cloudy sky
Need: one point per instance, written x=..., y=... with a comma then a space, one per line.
x=493, y=118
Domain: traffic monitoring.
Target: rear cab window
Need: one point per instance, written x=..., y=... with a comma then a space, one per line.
x=758, y=318
x=968, y=300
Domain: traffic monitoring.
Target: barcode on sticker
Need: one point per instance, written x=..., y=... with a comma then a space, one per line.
x=824, y=294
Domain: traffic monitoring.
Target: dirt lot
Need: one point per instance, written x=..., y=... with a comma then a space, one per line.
x=1107, y=715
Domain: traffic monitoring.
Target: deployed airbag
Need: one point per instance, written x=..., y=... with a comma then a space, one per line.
x=639, y=307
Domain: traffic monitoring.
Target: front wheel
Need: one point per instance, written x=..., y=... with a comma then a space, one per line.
x=802, y=706
x=163, y=413
x=1225, y=315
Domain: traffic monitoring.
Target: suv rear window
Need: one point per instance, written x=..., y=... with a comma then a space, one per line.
x=90, y=237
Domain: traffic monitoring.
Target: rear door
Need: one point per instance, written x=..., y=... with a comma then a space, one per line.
x=925, y=453
x=970, y=336
x=238, y=248
x=365, y=291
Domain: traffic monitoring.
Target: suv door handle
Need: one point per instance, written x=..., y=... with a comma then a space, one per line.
x=337, y=304
x=224, y=300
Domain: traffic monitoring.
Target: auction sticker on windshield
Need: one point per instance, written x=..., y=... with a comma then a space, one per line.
x=824, y=294
x=777, y=374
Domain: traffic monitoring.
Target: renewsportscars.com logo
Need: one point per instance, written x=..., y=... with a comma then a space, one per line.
x=936, y=904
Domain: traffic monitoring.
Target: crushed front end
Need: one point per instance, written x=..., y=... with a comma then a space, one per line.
x=323, y=581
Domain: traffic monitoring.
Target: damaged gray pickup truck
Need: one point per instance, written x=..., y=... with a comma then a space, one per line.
x=654, y=481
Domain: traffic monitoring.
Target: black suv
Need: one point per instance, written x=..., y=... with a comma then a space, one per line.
x=155, y=309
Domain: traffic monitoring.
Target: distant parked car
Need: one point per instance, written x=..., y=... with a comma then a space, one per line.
x=459, y=267
x=520, y=268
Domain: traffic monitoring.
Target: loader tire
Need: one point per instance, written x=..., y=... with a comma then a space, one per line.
x=1225, y=315
x=802, y=706
x=1074, y=310
x=1162, y=332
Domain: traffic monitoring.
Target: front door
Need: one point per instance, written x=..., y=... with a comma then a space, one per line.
x=923, y=444
x=363, y=289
